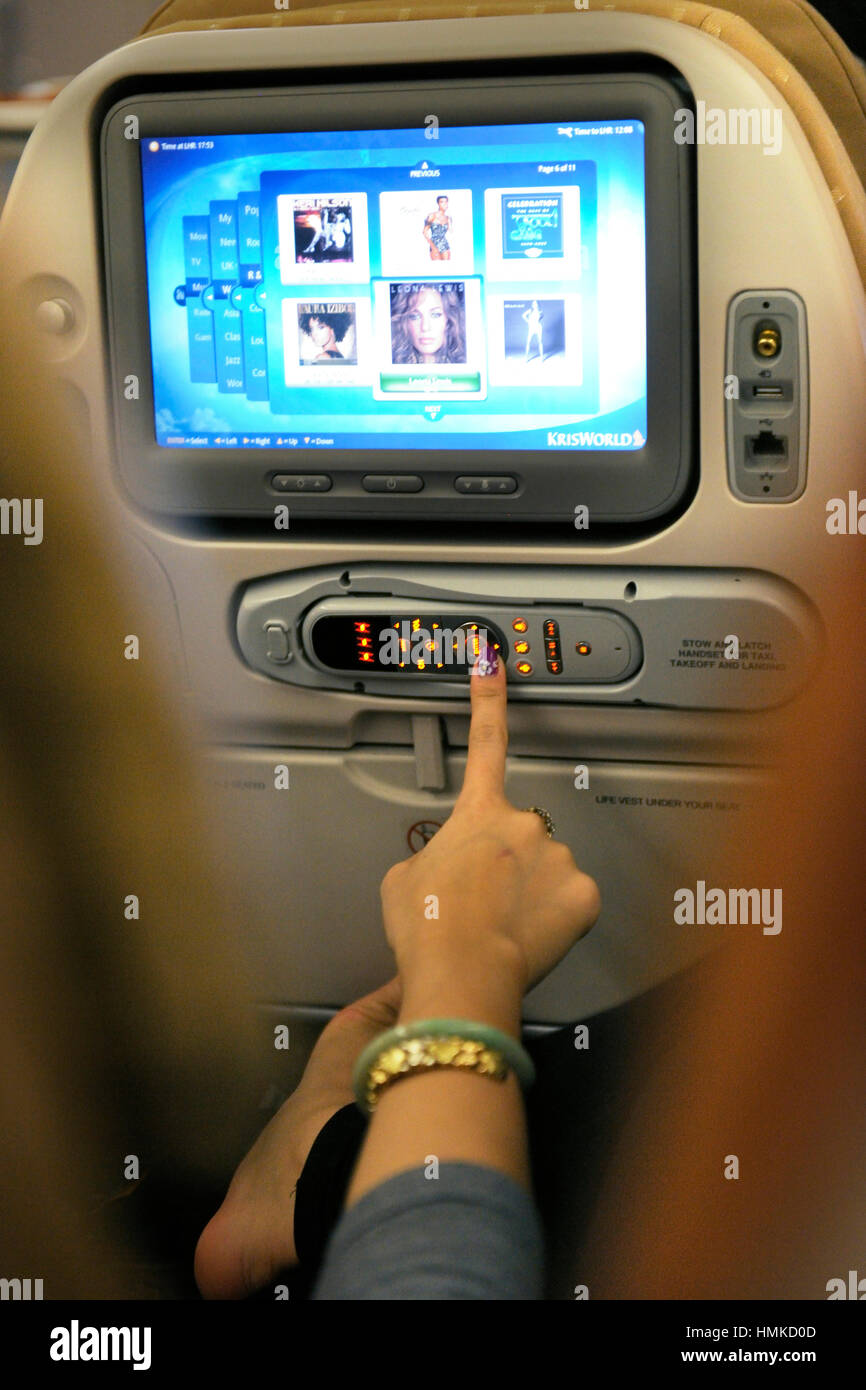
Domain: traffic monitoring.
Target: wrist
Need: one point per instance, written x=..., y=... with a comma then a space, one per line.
x=482, y=978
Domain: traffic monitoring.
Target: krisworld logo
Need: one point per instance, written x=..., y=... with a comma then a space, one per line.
x=586, y=439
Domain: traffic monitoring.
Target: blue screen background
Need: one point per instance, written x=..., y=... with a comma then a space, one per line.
x=216, y=291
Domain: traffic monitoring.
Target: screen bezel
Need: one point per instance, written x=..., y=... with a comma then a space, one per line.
x=619, y=487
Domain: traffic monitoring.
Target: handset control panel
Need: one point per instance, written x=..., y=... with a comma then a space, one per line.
x=429, y=642
x=682, y=638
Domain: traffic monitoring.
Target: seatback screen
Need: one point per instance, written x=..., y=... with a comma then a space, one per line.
x=378, y=290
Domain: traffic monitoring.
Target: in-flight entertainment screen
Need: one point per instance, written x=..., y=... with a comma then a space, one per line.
x=348, y=290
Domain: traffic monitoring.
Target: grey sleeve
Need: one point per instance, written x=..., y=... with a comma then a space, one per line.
x=471, y=1233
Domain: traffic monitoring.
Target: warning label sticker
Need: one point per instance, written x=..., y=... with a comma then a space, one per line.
x=707, y=653
x=674, y=802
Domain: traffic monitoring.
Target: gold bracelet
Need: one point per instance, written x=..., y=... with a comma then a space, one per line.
x=429, y=1054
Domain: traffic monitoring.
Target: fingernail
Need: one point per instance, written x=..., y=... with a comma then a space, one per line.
x=487, y=663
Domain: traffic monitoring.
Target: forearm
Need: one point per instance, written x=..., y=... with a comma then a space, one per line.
x=450, y=1115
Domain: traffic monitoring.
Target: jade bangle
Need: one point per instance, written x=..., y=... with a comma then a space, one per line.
x=514, y=1054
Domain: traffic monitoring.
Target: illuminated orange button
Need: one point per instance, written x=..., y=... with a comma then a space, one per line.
x=520, y=625
x=366, y=656
x=520, y=646
x=524, y=668
x=554, y=667
x=583, y=648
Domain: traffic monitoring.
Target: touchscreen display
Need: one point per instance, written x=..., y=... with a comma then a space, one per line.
x=485, y=289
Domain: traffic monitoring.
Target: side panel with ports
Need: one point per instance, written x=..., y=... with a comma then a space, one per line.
x=767, y=389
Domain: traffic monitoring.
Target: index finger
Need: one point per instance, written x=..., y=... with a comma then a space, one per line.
x=488, y=730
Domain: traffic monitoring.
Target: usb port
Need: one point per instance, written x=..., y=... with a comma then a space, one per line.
x=768, y=392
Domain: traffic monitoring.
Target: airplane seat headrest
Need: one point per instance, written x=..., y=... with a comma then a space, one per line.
x=819, y=77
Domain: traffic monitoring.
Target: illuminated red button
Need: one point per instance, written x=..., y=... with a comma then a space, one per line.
x=524, y=668
x=555, y=668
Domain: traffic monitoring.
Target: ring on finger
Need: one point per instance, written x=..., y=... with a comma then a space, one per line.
x=546, y=817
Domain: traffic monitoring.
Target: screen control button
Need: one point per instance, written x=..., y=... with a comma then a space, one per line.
x=392, y=482
x=500, y=484
x=55, y=316
x=277, y=640
x=301, y=482
x=552, y=648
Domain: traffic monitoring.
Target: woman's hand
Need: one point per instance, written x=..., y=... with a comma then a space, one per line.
x=491, y=879
x=486, y=909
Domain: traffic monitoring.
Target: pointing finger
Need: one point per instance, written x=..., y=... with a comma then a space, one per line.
x=488, y=731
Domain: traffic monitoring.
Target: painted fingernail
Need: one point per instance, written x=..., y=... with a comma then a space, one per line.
x=487, y=663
